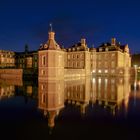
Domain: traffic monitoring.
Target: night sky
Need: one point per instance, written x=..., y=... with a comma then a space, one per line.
x=27, y=22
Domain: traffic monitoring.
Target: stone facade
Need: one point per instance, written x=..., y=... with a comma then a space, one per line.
x=51, y=60
x=54, y=62
x=79, y=60
x=113, y=59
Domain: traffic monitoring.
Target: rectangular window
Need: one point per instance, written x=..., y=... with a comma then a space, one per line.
x=44, y=60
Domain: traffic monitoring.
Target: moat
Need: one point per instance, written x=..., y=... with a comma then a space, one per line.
x=91, y=107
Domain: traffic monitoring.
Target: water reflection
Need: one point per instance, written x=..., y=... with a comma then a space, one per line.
x=108, y=92
x=7, y=87
x=51, y=99
x=18, y=87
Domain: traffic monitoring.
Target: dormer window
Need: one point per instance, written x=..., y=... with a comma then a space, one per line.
x=78, y=48
x=106, y=49
x=100, y=49
x=73, y=49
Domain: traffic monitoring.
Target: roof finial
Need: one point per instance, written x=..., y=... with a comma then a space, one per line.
x=51, y=29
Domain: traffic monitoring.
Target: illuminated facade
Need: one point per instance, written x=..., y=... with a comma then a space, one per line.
x=79, y=60
x=113, y=59
x=7, y=59
x=58, y=63
x=54, y=62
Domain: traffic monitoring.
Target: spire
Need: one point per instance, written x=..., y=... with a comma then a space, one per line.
x=113, y=41
x=51, y=29
x=51, y=43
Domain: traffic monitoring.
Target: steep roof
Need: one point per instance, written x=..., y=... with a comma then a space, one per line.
x=51, y=43
x=112, y=47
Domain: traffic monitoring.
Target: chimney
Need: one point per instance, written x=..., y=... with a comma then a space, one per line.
x=113, y=41
x=83, y=41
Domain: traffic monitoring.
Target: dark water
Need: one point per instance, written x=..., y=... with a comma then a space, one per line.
x=91, y=108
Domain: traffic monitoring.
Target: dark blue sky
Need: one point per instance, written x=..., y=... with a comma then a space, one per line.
x=27, y=22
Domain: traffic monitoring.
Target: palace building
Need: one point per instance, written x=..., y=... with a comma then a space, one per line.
x=113, y=59
x=79, y=60
x=54, y=62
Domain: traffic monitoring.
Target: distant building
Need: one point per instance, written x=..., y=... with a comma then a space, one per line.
x=28, y=61
x=7, y=59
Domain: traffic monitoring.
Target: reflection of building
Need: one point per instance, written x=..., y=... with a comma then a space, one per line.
x=28, y=89
x=136, y=64
x=110, y=91
x=113, y=59
x=7, y=87
x=77, y=92
x=7, y=59
x=50, y=99
x=6, y=91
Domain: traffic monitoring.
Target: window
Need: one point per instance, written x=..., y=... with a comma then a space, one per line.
x=113, y=64
x=100, y=49
x=106, y=49
x=43, y=98
x=43, y=72
x=68, y=56
x=43, y=60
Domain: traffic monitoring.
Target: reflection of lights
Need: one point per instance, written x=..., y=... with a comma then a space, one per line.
x=99, y=71
x=93, y=80
x=135, y=86
x=93, y=71
x=106, y=71
x=99, y=80
x=121, y=80
x=106, y=80
x=121, y=72
x=112, y=81
x=139, y=83
x=135, y=66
